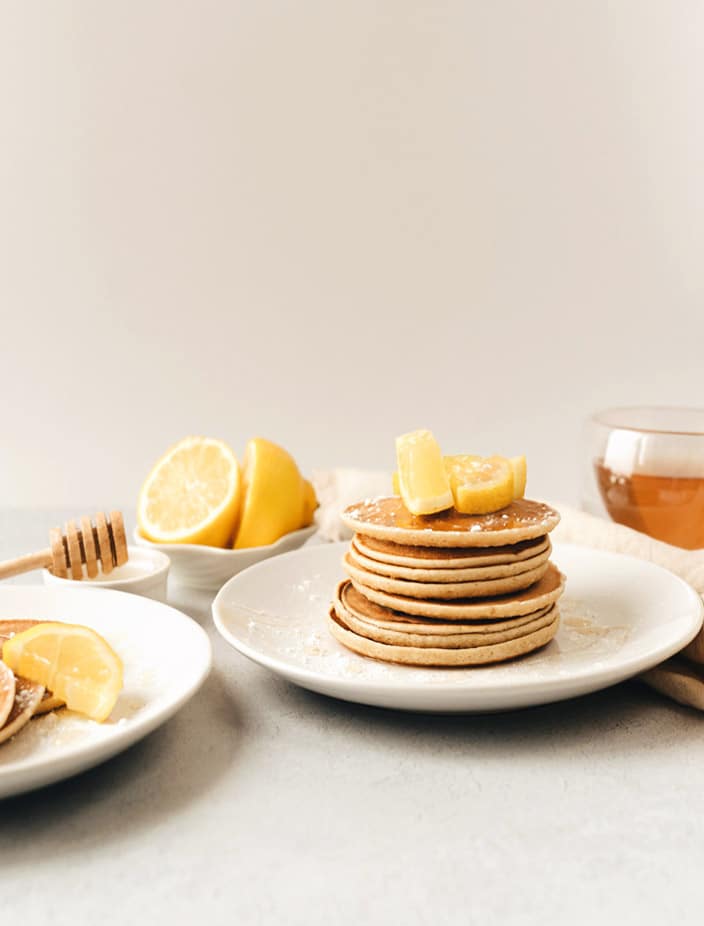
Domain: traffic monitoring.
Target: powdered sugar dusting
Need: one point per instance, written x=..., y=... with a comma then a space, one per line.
x=49, y=735
x=611, y=622
x=523, y=517
x=298, y=636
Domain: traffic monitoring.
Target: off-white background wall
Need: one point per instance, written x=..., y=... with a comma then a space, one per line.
x=328, y=223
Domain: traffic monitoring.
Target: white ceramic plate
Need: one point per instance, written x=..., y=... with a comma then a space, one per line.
x=204, y=567
x=620, y=616
x=166, y=657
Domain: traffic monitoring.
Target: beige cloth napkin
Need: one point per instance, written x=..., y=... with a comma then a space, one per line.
x=680, y=678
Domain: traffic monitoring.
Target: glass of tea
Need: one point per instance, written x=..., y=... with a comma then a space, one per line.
x=645, y=469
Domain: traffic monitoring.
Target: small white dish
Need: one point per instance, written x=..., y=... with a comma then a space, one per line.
x=166, y=657
x=145, y=573
x=620, y=616
x=210, y=567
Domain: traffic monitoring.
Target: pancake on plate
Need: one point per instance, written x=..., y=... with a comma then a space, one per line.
x=447, y=589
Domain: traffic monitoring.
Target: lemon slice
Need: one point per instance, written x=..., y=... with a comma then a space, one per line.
x=277, y=499
x=423, y=483
x=74, y=662
x=192, y=494
x=481, y=485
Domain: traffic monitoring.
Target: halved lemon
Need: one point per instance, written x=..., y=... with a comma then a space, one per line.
x=73, y=661
x=310, y=504
x=520, y=474
x=422, y=479
x=481, y=485
x=192, y=494
x=277, y=500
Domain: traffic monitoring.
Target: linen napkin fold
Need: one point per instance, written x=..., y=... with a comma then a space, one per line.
x=680, y=678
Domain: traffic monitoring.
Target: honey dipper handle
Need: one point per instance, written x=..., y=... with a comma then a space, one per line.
x=15, y=567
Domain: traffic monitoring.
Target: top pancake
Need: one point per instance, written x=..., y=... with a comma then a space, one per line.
x=388, y=519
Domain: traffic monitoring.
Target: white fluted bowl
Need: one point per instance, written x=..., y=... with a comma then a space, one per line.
x=145, y=573
x=208, y=568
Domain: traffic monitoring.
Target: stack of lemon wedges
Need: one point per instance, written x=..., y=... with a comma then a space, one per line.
x=429, y=482
x=198, y=493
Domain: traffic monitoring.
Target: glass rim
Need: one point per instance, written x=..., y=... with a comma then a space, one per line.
x=601, y=417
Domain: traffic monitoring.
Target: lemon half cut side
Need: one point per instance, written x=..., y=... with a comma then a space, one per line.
x=192, y=494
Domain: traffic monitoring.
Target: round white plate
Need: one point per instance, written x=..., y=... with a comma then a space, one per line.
x=620, y=615
x=166, y=657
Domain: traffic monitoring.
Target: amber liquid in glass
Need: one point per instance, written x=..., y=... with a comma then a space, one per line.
x=669, y=508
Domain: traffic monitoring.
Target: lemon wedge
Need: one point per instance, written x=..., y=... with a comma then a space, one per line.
x=276, y=500
x=460, y=468
x=423, y=483
x=192, y=494
x=72, y=661
x=480, y=485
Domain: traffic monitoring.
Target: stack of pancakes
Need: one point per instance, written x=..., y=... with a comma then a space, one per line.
x=447, y=589
x=20, y=699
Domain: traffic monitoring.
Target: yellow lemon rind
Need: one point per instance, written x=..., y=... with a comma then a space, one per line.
x=66, y=685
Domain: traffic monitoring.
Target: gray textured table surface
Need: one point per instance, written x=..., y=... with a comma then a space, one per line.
x=262, y=803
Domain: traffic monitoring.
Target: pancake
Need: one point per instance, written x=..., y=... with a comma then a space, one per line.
x=387, y=518
x=398, y=554
x=430, y=573
x=432, y=656
x=8, y=629
x=27, y=697
x=447, y=589
x=49, y=702
x=539, y=595
x=464, y=637
x=7, y=692
x=362, y=608
x=442, y=590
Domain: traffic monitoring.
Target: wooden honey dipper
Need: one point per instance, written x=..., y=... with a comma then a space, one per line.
x=103, y=542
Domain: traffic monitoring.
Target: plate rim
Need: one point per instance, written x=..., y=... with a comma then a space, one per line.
x=597, y=678
x=82, y=755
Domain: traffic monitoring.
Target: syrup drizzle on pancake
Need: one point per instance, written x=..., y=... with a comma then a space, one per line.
x=387, y=518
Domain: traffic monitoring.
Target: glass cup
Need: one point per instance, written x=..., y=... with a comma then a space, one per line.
x=645, y=468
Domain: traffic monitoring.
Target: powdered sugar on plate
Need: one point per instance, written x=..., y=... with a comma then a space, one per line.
x=165, y=656
x=618, y=617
